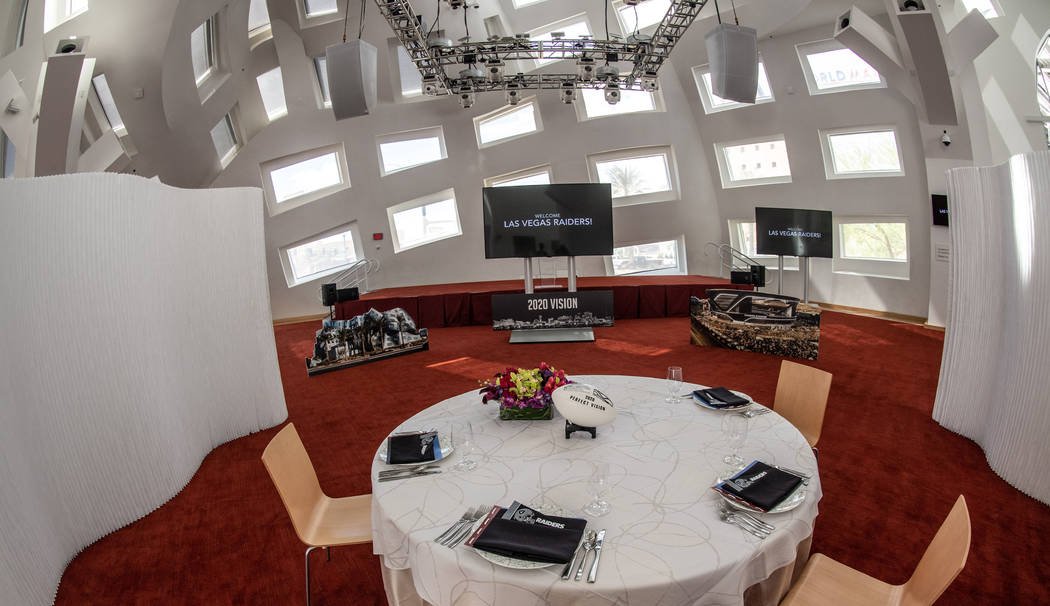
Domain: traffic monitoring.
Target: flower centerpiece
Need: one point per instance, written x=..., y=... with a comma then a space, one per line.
x=524, y=393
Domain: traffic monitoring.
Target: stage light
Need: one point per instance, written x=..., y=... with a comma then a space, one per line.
x=495, y=70
x=466, y=97
x=585, y=68
x=568, y=91
x=649, y=82
x=513, y=93
x=430, y=85
x=606, y=72
x=612, y=93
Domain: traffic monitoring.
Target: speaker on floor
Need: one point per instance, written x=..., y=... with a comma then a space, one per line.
x=328, y=295
x=347, y=294
x=351, y=78
x=733, y=53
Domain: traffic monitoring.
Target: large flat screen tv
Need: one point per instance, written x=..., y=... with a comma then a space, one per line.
x=793, y=232
x=940, y=209
x=558, y=220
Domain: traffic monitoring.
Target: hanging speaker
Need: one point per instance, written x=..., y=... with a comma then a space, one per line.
x=328, y=294
x=733, y=53
x=351, y=78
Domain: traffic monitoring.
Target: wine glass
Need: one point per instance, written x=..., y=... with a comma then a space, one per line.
x=734, y=426
x=599, y=485
x=674, y=383
x=463, y=439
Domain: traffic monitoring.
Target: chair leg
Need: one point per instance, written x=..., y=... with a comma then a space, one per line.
x=329, y=552
x=816, y=453
x=308, y=550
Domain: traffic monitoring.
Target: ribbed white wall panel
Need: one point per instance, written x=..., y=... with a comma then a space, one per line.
x=136, y=337
x=995, y=372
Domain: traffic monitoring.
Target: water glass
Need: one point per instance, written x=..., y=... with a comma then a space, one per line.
x=734, y=427
x=463, y=441
x=674, y=383
x=599, y=485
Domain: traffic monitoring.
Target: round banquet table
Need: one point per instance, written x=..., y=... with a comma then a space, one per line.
x=665, y=544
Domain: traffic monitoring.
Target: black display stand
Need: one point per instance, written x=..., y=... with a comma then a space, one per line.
x=571, y=428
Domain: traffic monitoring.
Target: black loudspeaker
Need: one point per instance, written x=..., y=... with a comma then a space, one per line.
x=733, y=53
x=347, y=294
x=755, y=276
x=328, y=295
x=351, y=78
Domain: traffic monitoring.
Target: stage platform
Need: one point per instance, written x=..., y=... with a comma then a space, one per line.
x=437, y=305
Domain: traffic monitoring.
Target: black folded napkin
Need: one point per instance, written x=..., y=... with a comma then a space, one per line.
x=720, y=397
x=413, y=448
x=760, y=485
x=526, y=534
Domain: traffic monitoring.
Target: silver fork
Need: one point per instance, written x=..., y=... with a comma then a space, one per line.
x=393, y=472
x=464, y=532
x=731, y=518
x=749, y=517
x=751, y=413
x=455, y=525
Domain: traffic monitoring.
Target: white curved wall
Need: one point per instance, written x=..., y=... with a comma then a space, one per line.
x=136, y=338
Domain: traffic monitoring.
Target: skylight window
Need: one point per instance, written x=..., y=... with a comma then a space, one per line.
x=631, y=102
x=298, y=179
x=831, y=68
x=7, y=156
x=20, y=33
x=649, y=257
x=318, y=8
x=861, y=152
x=872, y=246
x=987, y=8
x=320, y=255
x=753, y=162
x=401, y=151
x=638, y=175
x=509, y=122
x=321, y=67
x=408, y=74
x=424, y=220
x=224, y=137
x=202, y=50
x=109, y=107
x=713, y=103
x=573, y=27
x=640, y=16
x=258, y=17
x=521, y=3
x=537, y=175
x=271, y=87
x=57, y=12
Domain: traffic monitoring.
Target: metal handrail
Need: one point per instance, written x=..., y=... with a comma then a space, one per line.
x=726, y=257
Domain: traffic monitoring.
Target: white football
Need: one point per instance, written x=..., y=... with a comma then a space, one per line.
x=583, y=404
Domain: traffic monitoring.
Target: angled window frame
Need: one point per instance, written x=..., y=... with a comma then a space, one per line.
x=286, y=263
x=282, y=108
x=629, y=153
x=57, y=12
x=707, y=96
x=523, y=3
x=617, y=7
x=211, y=50
x=441, y=196
x=736, y=240
x=8, y=156
x=829, y=159
x=395, y=48
x=804, y=49
x=430, y=132
x=232, y=128
x=559, y=25
x=308, y=20
x=499, y=180
x=894, y=269
x=680, y=268
x=324, y=99
x=275, y=208
x=723, y=163
x=582, y=115
x=993, y=7
x=505, y=111
x=261, y=32
x=20, y=31
x=100, y=85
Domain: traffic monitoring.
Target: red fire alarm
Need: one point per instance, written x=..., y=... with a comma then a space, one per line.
x=377, y=236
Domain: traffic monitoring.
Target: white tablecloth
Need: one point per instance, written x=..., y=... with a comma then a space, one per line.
x=665, y=544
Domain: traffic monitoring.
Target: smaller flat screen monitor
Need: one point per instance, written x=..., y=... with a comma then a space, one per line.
x=793, y=232
x=557, y=220
x=940, y=209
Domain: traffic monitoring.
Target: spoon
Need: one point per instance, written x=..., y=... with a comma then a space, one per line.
x=588, y=545
x=417, y=468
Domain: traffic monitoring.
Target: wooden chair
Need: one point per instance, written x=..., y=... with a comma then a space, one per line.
x=827, y=582
x=802, y=396
x=319, y=520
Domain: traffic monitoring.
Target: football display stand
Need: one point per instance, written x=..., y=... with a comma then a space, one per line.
x=571, y=428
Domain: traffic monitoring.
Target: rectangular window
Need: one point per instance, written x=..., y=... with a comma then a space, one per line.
x=224, y=137
x=317, y=8
x=408, y=74
x=537, y=175
x=321, y=255
x=105, y=97
x=631, y=102
x=872, y=246
x=573, y=27
x=649, y=258
x=57, y=12
x=7, y=156
x=424, y=220
x=321, y=67
x=271, y=87
x=987, y=8
x=521, y=3
x=861, y=152
x=401, y=151
x=294, y=180
x=640, y=17
x=508, y=122
x=713, y=103
x=753, y=162
x=258, y=17
x=20, y=33
x=743, y=238
x=830, y=67
x=638, y=175
x=202, y=50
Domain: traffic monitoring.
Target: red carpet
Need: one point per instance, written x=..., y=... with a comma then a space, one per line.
x=890, y=474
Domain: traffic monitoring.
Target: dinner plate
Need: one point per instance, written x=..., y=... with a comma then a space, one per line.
x=509, y=562
x=707, y=406
x=444, y=440
x=792, y=501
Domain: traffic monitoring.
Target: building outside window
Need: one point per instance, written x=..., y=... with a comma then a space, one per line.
x=872, y=246
x=508, y=122
x=202, y=50
x=321, y=255
x=304, y=177
x=637, y=175
x=760, y=161
x=401, y=151
x=861, y=152
x=424, y=220
x=648, y=257
x=224, y=136
x=830, y=67
x=537, y=175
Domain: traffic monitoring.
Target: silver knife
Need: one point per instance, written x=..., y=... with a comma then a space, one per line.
x=597, y=554
x=567, y=572
x=408, y=475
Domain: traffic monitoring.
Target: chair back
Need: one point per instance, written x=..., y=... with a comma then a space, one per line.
x=802, y=396
x=294, y=477
x=943, y=561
